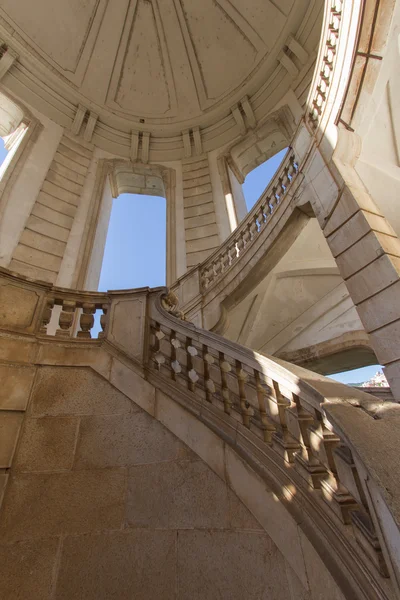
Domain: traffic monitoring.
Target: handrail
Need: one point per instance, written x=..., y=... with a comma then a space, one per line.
x=326, y=61
x=283, y=406
x=242, y=238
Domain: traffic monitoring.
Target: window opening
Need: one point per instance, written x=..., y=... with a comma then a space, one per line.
x=3, y=153
x=260, y=177
x=135, y=250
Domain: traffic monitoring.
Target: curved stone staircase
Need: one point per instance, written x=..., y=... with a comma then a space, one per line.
x=307, y=456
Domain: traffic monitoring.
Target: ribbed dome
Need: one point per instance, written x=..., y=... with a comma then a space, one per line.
x=169, y=64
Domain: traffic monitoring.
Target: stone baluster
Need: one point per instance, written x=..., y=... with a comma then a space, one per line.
x=363, y=526
x=246, y=235
x=260, y=219
x=253, y=228
x=66, y=318
x=205, y=278
x=103, y=321
x=240, y=243
x=176, y=367
x=225, y=368
x=245, y=407
x=193, y=376
x=280, y=189
x=307, y=464
x=231, y=254
x=86, y=320
x=282, y=440
x=263, y=391
x=208, y=361
x=323, y=442
x=225, y=261
x=46, y=315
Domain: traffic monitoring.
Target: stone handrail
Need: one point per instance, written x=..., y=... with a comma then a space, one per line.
x=252, y=225
x=326, y=60
x=278, y=406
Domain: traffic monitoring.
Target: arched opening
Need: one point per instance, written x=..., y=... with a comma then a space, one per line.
x=135, y=248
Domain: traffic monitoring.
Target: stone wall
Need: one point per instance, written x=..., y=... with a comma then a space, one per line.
x=104, y=502
x=42, y=245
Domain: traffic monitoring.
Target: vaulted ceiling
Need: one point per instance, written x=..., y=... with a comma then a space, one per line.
x=165, y=64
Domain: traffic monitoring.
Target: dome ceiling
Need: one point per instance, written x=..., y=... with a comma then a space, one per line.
x=166, y=63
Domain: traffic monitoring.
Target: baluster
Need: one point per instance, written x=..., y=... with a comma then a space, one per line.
x=103, y=321
x=282, y=440
x=225, y=261
x=246, y=409
x=323, y=442
x=363, y=526
x=280, y=189
x=209, y=385
x=191, y=371
x=225, y=368
x=46, y=315
x=240, y=243
x=176, y=367
x=205, y=278
x=309, y=467
x=66, y=318
x=158, y=357
x=86, y=320
x=253, y=229
x=262, y=393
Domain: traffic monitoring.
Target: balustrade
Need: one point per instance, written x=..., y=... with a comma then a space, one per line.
x=76, y=317
x=274, y=405
x=319, y=94
x=253, y=225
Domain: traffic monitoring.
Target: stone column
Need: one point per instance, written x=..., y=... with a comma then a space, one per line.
x=365, y=247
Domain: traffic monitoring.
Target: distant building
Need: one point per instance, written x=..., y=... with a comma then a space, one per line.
x=378, y=380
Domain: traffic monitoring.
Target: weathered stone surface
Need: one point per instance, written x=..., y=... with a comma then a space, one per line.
x=27, y=569
x=47, y=444
x=124, y=565
x=18, y=306
x=10, y=425
x=296, y=589
x=62, y=503
x=133, y=386
x=68, y=391
x=127, y=325
x=270, y=512
x=192, y=432
x=188, y=495
x=255, y=568
x=125, y=440
x=321, y=582
x=16, y=384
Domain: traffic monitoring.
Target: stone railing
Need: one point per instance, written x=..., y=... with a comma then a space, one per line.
x=76, y=314
x=252, y=225
x=303, y=432
x=325, y=62
x=281, y=407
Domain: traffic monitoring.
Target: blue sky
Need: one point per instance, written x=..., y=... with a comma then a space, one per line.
x=3, y=151
x=135, y=252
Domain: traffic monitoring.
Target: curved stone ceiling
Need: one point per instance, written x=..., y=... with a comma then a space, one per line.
x=165, y=65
